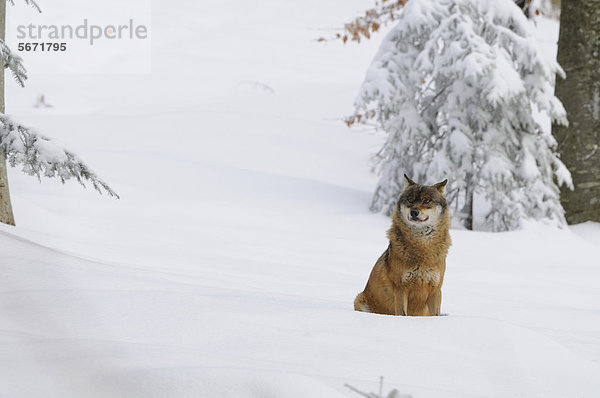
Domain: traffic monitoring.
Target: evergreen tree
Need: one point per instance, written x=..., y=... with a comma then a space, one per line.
x=455, y=85
x=37, y=154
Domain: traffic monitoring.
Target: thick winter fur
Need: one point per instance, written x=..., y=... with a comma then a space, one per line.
x=407, y=278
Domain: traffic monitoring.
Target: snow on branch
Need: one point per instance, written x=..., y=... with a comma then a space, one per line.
x=41, y=156
x=31, y=3
x=14, y=63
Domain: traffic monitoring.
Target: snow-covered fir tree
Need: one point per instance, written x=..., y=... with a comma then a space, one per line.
x=455, y=86
x=19, y=145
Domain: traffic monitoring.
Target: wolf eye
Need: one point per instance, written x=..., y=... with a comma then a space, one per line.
x=426, y=201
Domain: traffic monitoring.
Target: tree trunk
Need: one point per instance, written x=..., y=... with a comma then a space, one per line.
x=6, y=213
x=467, y=210
x=578, y=144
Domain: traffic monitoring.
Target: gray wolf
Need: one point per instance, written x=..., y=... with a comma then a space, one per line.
x=407, y=278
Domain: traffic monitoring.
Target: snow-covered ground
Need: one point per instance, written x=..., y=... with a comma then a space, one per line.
x=229, y=266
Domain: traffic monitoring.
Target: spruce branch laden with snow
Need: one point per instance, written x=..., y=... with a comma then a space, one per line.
x=14, y=63
x=454, y=86
x=41, y=156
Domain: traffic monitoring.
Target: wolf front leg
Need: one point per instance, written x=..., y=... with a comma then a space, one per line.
x=434, y=302
x=400, y=302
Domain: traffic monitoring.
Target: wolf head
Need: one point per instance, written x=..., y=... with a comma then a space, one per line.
x=420, y=205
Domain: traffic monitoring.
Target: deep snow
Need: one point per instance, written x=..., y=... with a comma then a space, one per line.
x=230, y=264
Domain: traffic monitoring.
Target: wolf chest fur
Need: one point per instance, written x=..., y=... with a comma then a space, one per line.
x=407, y=278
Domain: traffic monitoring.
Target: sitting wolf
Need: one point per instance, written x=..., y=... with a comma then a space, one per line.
x=407, y=278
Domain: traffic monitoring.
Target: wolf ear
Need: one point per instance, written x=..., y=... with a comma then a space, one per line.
x=440, y=186
x=409, y=181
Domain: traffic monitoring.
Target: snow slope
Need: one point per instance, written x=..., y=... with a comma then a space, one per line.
x=230, y=264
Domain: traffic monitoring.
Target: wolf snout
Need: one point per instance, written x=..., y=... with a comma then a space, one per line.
x=414, y=213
